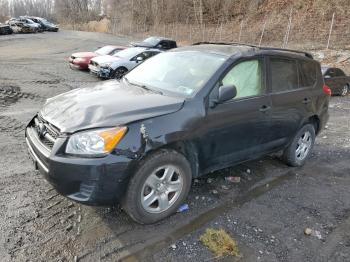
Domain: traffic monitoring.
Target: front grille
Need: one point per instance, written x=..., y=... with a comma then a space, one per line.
x=46, y=132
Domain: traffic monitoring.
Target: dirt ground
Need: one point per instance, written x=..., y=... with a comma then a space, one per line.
x=266, y=213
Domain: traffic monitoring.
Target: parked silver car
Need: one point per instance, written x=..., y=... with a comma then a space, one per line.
x=120, y=63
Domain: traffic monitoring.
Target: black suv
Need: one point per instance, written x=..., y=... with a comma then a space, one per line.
x=160, y=43
x=181, y=114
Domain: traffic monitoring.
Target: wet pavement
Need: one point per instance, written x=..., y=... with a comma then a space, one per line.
x=266, y=212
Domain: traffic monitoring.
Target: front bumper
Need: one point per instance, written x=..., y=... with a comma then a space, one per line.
x=105, y=72
x=52, y=29
x=91, y=181
x=101, y=72
x=79, y=66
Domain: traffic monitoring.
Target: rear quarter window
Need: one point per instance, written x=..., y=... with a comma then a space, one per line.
x=308, y=73
x=284, y=75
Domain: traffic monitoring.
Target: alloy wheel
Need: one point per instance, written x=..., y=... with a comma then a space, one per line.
x=161, y=189
x=303, y=146
x=119, y=73
x=344, y=91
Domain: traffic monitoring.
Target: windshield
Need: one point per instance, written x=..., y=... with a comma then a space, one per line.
x=30, y=21
x=151, y=41
x=104, y=50
x=129, y=53
x=182, y=73
x=44, y=21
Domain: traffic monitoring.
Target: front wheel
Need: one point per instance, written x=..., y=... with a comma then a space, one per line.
x=300, y=148
x=159, y=186
x=120, y=72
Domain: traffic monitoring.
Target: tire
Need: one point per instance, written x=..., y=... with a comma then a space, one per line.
x=299, y=150
x=151, y=171
x=345, y=90
x=119, y=72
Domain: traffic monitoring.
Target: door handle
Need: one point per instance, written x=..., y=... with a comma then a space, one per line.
x=264, y=108
x=306, y=100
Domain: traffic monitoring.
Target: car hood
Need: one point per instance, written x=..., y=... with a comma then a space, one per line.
x=84, y=54
x=105, y=59
x=108, y=104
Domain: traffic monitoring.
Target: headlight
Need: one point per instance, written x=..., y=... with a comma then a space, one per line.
x=79, y=59
x=96, y=142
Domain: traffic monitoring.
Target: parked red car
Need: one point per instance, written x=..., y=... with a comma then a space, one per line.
x=81, y=60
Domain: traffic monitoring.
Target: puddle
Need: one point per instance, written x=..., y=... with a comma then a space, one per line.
x=9, y=95
x=208, y=216
x=48, y=82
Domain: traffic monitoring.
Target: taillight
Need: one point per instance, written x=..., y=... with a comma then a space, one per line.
x=327, y=90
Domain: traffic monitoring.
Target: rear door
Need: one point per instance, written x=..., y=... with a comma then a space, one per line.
x=291, y=100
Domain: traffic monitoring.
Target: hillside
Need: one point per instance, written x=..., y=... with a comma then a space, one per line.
x=269, y=22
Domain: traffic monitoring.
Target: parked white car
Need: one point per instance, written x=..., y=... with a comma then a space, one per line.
x=117, y=65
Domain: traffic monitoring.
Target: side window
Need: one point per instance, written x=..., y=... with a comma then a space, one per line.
x=284, y=74
x=247, y=76
x=339, y=72
x=308, y=73
x=139, y=55
x=146, y=55
x=154, y=53
x=164, y=44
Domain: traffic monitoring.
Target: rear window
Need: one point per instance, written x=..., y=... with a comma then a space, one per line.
x=308, y=73
x=284, y=74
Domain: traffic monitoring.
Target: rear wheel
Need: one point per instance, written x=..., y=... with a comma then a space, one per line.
x=345, y=90
x=158, y=187
x=300, y=148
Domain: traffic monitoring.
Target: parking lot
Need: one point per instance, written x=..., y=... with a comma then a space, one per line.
x=266, y=212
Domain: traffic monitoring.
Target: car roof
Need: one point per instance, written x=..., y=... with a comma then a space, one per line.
x=114, y=46
x=160, y=38
x=141, y=49
x=138, y=50
x=223, y=50
x=241, y=49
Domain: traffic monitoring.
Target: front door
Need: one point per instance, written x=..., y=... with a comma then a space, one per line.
x=238, y=129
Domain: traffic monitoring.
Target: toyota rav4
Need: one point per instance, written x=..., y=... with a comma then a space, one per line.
x=181, y=114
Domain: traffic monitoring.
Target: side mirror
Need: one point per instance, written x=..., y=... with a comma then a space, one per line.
x=139, y=59
x=226, y=93
x=327, y=77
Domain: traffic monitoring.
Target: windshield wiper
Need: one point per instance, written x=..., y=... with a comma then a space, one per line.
x=143, y=87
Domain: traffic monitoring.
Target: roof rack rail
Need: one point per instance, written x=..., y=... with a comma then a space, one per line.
x=256, y=46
